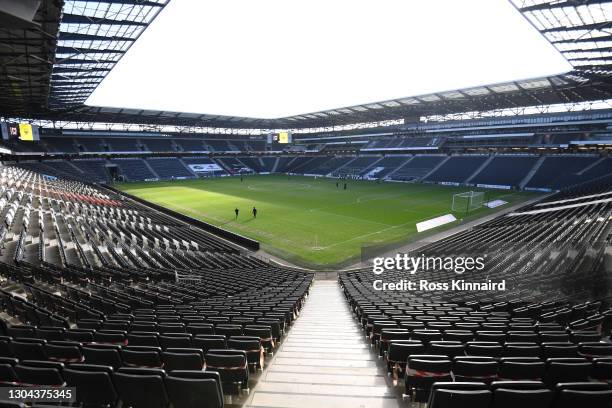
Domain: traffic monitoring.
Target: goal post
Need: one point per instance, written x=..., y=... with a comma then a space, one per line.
x=468, y=201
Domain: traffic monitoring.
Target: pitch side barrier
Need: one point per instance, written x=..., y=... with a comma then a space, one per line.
x=230, y=236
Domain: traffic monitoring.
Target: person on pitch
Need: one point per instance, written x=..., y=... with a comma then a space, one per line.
x=254, y=212
x=236, y=211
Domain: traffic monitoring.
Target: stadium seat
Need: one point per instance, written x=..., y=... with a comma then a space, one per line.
x=94, y=384
x=193, y=392
x=470, y=368
x=130, y=383
x=443, y=398
x=39, y=373
x=521, y=368
x=398, y=352
x=591, y=399
x=230, y=364
x=424, y=370
x=520, y=349
x=602, y=370
x=563, y=370
x=252, y=346
x=182, y=359
x=141, y=356
x=507, y=398
x=136, y=338
x=448, y=348
x=104, y=355
x=64, y=351
x=207, y=342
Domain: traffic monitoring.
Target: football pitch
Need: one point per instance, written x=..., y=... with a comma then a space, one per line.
x=308, y=221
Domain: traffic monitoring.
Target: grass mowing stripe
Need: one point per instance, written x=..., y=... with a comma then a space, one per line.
x=309, y=221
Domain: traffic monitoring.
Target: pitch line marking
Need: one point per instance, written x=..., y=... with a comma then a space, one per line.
x=272, y=236
x=390, y=228
x=236, y=225
x=295, y=186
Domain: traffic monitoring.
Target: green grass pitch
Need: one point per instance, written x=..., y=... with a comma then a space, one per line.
x=309, y=221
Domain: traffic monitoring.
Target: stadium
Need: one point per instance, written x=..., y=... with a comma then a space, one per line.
x=266, y=204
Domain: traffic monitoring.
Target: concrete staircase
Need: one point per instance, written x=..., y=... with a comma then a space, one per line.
x=71, y=164
x=479, y=169
x=342, y=166
x=275, y=166
x=188, y=168
x=325, y=361
x=399, y=167
x=150, y=168
x=532, y=172
x=590, y=166
x=435, y=168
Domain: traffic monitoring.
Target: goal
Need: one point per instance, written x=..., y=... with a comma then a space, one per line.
x=468, y=201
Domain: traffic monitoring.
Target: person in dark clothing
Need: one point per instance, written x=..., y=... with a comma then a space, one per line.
x=337, y=185
x=345, y=186
x=236, y=211
x=241, y=178
x=254, y=212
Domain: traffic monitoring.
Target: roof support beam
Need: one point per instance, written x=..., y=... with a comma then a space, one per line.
x=69, y=93
x=562, y=4
x=605, y=58
x=583, y=40
x=585, y=50
x=77, y=61
x=87, y=88
x=61, y=70
x=58, y=84
x=134, y=3
x=67, y=36
x=60, y=78
x=78, y=19
x=75, y=50
x=587, y=27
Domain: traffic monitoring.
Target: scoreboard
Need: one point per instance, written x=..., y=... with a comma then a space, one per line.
x=280, y=138
x=19, y=131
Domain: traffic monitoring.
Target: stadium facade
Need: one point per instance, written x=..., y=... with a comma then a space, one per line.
x=113, y=295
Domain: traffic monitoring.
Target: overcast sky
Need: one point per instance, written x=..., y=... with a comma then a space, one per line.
x=276, y=58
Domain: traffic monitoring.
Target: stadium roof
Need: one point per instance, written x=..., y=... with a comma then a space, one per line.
x=50, y=66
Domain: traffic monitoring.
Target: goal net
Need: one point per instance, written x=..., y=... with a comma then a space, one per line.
x=468, y=201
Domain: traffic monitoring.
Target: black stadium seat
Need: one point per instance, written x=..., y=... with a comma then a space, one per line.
x=212, y=375
x=445, y=398
x=207, y=342
x=230, y=364
x=94, y=385
x=39, y=373
x=602, y=369
x=591, y=399
x=482, y=369
x=510, y=398
x=521, y=368
x=182, y=359
x=105, y=355
x=424, y=370
x=130, y=383
x=141, y=356
x=193, y=392
x=564, y=370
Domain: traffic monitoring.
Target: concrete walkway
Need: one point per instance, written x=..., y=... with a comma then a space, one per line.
x=325, y=361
